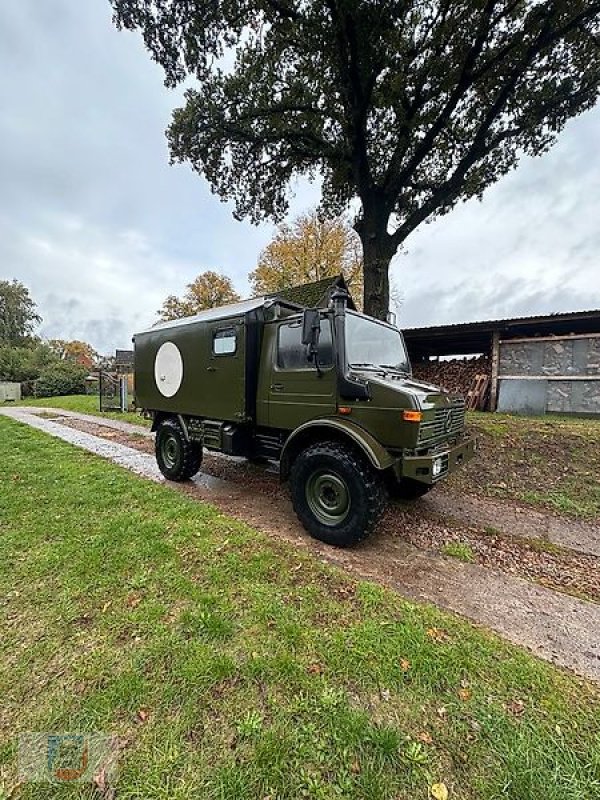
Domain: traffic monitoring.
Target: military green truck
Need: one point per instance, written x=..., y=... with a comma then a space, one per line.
x=326, y=392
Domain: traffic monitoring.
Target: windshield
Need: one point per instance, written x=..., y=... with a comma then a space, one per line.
x=370, y=344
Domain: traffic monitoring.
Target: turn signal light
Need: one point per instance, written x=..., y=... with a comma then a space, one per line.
x=345, y=410
x=412, y=416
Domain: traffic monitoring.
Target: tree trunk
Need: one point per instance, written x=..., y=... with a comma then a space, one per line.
x=378, y=251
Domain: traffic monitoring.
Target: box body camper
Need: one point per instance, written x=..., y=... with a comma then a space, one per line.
x=326, y=392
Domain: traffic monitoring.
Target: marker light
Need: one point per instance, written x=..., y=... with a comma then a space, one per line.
x=345, y=410
x=412, y=416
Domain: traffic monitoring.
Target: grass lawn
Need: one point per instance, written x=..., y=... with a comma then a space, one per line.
x=84, y=403
x=549, y=461
x=234, y=667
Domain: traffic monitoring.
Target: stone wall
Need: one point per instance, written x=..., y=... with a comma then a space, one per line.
x=550, y=360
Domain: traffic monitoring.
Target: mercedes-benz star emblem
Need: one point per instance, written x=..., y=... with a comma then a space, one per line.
x=449, y=421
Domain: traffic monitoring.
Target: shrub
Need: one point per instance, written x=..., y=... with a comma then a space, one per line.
x=25, y=363
x=61, y=378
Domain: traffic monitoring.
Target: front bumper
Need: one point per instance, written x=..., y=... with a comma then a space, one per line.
x=421, y=468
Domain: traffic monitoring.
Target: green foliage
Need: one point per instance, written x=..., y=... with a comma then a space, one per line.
x=61, y=378
x=24, y=363
x=460, y=550
x=408, y=106
x=18, y=317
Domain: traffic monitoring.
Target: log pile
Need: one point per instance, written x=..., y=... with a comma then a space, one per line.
x=456, y=375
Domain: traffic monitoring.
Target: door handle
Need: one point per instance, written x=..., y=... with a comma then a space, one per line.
x=211, y=369
x=277, y=387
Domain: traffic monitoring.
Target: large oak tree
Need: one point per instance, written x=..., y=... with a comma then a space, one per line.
x=407, y=105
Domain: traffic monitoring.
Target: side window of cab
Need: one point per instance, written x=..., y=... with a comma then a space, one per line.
x=291, y=353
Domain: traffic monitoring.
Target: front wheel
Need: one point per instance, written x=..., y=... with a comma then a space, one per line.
x=336, y=494
x=178, y=459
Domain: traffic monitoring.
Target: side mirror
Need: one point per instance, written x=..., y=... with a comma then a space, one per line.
x=391, y=318
x=311, y=326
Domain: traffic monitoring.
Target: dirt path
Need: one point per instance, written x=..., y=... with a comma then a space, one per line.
x=537, y=560
x=556, y=627
x=515, y=519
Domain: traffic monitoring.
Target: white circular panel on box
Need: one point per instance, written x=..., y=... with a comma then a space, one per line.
x=168, y=369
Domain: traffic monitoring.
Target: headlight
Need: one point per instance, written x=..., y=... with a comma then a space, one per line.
x=437, y=467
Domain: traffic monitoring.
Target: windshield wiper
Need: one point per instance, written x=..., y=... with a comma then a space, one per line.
x=366, y=365
x=395, y=369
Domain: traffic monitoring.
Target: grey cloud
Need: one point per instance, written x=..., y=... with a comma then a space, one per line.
x=100, y=227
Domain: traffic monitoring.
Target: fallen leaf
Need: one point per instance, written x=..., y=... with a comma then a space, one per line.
x=439, y=791
x=143, y=714
x=441, y=711
x=315, y=669
x=355, y=766
x=106, y=606
x=515, y=707
x=437, y=634
x=424, y=737
x=404, y=664
x=464, y=694
x=133, y=600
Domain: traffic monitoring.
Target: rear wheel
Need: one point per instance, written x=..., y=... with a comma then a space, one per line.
x=337, y=495
x=178, y=459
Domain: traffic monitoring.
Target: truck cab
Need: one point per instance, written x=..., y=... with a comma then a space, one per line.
x=326, y=392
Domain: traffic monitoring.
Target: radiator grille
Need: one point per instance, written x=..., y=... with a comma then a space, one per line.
x=447, y=422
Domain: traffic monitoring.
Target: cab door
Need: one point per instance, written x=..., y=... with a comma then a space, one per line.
x=297, y=392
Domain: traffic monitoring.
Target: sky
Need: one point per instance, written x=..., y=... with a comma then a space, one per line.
x=100, y=228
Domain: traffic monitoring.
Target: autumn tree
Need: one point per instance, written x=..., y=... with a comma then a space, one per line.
x=312, y=247
x=208, y=290
x=18, y=314
x=76, y=351
x=408, y=106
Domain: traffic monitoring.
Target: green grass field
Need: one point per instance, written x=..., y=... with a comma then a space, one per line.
x=234, y=667
x=551, y=461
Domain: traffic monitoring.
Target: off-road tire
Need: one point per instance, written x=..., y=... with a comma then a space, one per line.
x=178, y=459
x=365, y=491
x=409, y=489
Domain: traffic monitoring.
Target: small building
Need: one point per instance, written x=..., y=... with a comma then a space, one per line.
x=10, y=391
x=535, y=365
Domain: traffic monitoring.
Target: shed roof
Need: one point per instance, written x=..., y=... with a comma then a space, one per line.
x=475, y=337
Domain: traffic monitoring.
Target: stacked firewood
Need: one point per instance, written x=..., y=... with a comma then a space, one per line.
x=456, y=375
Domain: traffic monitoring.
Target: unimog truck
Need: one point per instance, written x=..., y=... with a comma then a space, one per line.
x=326, y=392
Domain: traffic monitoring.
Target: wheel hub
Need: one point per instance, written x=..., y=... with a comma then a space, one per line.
x=328, y=497
x=170, y=451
